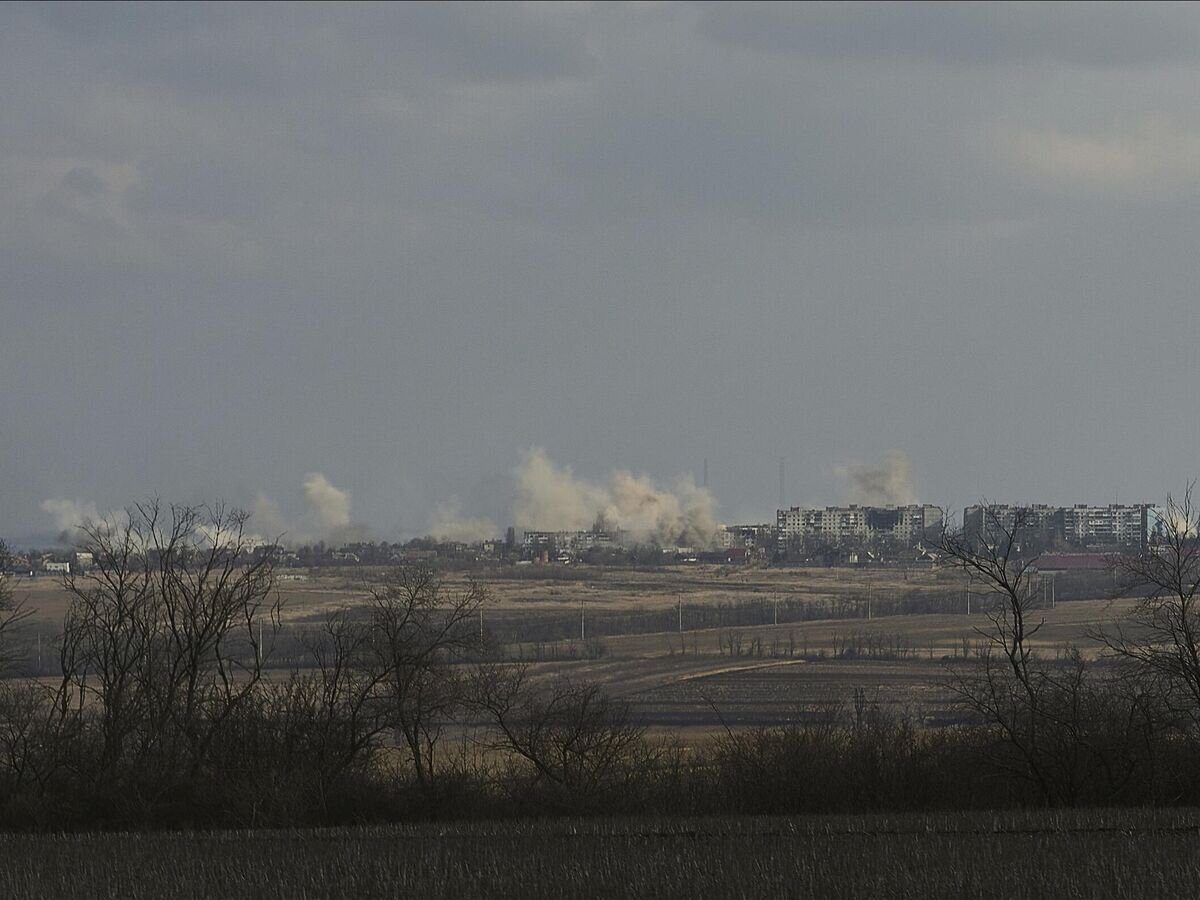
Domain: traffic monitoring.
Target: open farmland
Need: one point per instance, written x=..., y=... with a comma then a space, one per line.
x=730, y=665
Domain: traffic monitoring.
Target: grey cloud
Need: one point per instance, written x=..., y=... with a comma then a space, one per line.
x=216, y=49
x=227, y=189
x=1096, y=34
x=460, y=41
x=83, y=180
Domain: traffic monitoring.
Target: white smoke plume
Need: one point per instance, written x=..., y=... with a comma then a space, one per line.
x=68, y=514
x=79, y=521
x=889, y=483
x=1177, y=519
x=329, y=505
x=449, y=524
x=327, y=516
x=550, y=498
x=267, y=518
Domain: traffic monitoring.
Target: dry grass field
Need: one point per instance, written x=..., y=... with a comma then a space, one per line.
x=699, y=680
x=1011, y=855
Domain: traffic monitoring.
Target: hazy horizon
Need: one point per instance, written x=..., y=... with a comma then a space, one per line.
x=359, y=266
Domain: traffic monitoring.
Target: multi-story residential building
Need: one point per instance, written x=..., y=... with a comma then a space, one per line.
x=1112, y=524
x=1033, y=523
x=838, y=524
x=1078, y=525
x=571, y=541
x=748, y=537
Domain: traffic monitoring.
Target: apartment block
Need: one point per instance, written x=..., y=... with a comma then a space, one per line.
x=1078, y=525
x=858, y=523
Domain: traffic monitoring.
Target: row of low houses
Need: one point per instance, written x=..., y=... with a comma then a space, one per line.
x=731, y=544
x=51, y=564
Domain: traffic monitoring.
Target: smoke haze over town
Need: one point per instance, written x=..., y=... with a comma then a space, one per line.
x=403, y=270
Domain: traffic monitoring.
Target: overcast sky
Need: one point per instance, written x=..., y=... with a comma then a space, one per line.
x=400, y=245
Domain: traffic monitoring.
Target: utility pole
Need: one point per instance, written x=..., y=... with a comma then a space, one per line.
x=679, y=603
x=776, y=609
x=968, y=593
x=481, y=623
x=581, y=629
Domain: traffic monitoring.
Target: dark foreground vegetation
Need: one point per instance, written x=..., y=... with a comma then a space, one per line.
x=162, y=714
x=1061, y=854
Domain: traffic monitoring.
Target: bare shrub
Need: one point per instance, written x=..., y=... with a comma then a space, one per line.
x=579, y=747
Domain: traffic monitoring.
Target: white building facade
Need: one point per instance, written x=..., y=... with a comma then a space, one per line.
x=861, y=523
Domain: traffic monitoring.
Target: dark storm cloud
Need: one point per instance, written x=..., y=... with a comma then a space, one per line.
x=399, y=245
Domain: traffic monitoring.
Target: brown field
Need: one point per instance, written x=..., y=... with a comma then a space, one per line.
x=696, y=682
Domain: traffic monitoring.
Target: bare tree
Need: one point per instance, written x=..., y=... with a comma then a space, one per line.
x=993, y=556
x=335, y=712
x=218, y=613
x=1161, y=637
x=1071, y=729
x=419, y=629
x=164, y=636
x=1005, y=688
x=13, y=610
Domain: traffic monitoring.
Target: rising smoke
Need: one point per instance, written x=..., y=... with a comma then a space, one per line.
x=329, y=505
x=889, y=483
x=69, y=514
x=449, y=524
x=326, y=516
x=549, y=497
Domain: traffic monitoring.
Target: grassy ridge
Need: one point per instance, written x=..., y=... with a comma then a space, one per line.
x=1064, y=854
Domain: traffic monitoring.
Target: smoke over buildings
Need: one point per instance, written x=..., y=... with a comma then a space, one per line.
x=68, y=515
x=549, y=497
x=888, y=484
x=329, y=505
x=267, y=518
x=327, y=516
x=449, y=524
